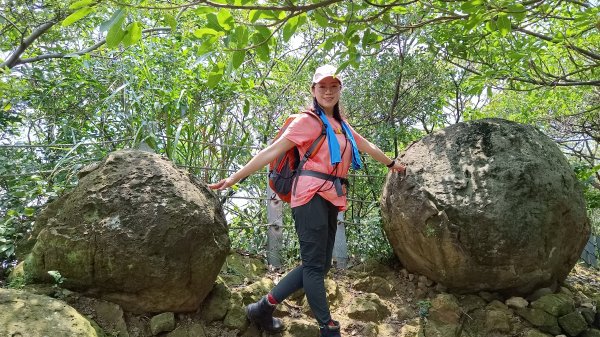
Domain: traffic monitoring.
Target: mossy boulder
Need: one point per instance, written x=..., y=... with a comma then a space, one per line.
x=136, y=231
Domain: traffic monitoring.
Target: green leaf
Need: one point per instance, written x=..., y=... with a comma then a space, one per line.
x=290, y=28
x=207, y=46
x=503, y=23
x=133, y=34
x=215, y=75
x=81, y=3
x=225, y=19
x=78, y=15
x=255, y=15
x=201, y=10
x=170, y=21
x=399, y=10
x=474, y=20
x=321, y=20
x=213, y=22
x=240, y=37
x=237, y=58
x=246, y=109
x=115, y=33
x=106, y=25
x=265, y=32
x=201, y=32
x=262, y=50
x=471, y=7
x=517, y=11
x=29, y=211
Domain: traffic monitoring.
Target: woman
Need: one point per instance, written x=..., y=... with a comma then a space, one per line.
x=316, y=199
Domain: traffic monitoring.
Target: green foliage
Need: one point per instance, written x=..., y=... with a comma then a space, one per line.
x=424, y=306
x=366, y=239
x=207, y=86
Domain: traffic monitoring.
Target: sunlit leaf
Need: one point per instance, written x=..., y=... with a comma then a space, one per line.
x=78, y=15
x=170, y=21
x=213, y=23
x=503, y=23
x=28, y=211
x=115, y=33
x=225, y=19
x=133, y=34
x=517, y=11
x=399, y=10
x=320, y=19
x=201, y=32
x=215, y=75
x=81, y=3
x=290, y=28
x=201, y=10
x=106, y=25
x=237, y=58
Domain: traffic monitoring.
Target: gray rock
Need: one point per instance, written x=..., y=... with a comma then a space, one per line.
x=214, y=308
x=591, y=333
x=301, y=328
x=236, y=314
x=30, y=315
x=486, y=205
x=555, y=304
x=540, y=319
x=164, y=322
x=189, y=330
x=535, y=333
x=498, y=320
x=539, y=293
x=445, y=309
x=517, y=302
x=368, y=308
x=136, y=231
x=470, y=303
x=573, y=323
x=375, y=284
x=589, y=314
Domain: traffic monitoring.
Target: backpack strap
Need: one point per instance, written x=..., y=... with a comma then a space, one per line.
x=337, y=181
x=312, y=149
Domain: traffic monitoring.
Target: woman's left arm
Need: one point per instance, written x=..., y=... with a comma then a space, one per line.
x=376, y=153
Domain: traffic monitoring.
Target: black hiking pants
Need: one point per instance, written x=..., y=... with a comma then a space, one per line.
x=316, y=224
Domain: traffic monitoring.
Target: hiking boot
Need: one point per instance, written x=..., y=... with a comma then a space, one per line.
x=261, y=314
x=330, y=330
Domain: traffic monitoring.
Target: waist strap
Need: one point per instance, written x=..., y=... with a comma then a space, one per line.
x=337, y=181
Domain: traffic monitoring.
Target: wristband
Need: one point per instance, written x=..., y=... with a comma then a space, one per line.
x=392, y=163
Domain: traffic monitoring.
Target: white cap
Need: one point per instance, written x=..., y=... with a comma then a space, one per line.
x=326, y=71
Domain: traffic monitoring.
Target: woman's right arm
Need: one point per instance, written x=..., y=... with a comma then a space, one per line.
x=259, y=161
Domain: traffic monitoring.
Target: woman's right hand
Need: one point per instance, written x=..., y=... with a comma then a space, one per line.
x=222, y=184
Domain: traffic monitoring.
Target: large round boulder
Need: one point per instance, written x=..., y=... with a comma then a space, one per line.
x=136, y=231
x=486, y=205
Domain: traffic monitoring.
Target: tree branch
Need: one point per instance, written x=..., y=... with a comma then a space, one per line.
x=81, y=52
x=12, y=24
x=244, y=7
x=14, y=57
x=568, y=45
x=555, y=83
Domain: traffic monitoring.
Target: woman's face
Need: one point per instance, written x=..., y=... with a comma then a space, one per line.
x=327, y=93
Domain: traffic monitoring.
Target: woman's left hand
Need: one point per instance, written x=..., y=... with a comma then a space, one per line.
x=398, y=167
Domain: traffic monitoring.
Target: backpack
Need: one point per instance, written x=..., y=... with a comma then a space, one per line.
x=283, y=169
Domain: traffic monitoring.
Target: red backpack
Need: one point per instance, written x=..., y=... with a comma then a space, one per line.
x=283, y=169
